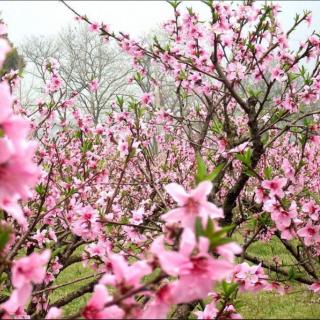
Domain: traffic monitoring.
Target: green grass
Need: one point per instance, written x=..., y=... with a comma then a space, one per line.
x=300, y=303
x=268, y=305
x=70, y=274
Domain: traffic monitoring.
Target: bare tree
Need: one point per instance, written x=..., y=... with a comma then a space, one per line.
x=82, y=56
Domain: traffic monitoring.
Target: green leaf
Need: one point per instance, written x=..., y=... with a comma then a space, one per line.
x=224, y=230
x=190, y=11
x=267, y=172
x=138, y=77
x=40, y=189
x=217, y=126
x=57, y=251
x=265, y=138
x=265, y=219
x=120, y=101
x=307, y=121
x=210, y=227
x=70, y=192
x=229, y=288
x=4, y=237
x=245, y=157
x=303, y=138
x=240, y=157
x=291, y=274
x=219, y=242
x=224, y=286
x=248, y=155
x=77, y=134
x=248, y=172
x=174, y=3
x=302, y=71
x=208, y=2
x=275, y=117
x=293, y=76
x=214, y=173
x=315, y=196
x=198, y=227
x=216, y=238
x=182, y=75
x=86, y=146
x=201, y=172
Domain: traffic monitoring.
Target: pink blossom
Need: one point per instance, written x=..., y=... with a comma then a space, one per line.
x=275, y=186
x=30, y=269
x=315, y=287
x=102, y=182
x=222, y=144
x=210, y=312
x=282, y=41
x=123, y=147
x=137, y=216
x=54, y=313
x=283, y=218
x=272, y=206
x=159, y=306
x=3, y=29
x=25, y=271
x=16, y=129
x=56, y=266
x=197, y=273
x=147, y=98
x=310, y=233
x=240, y=148
x=314, y=40
x=229, y=250
x=95, y=307
x=18, y=299
x=54, y=84
x=288, y=169
x=52, y=65
x=41, y=238
x=277, y=287
x=17, y=174
x=6, y=101
x=261, y=196
x=309, y=19
x=7, y=149
x=312, y=209
x=128, y=275
x=277, y=74
x=85, y=223
x=191, y=205
x=94, y=27
x=250, y=278
x=230, y=312
x=4, y=50
x=93, y=85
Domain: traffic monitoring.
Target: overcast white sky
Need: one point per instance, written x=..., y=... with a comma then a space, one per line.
x=26, y=18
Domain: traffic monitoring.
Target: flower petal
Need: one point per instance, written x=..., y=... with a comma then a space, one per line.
x=201, y=192
x=177, y=192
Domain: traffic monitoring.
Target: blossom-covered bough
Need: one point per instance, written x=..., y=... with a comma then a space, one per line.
x=150, y=199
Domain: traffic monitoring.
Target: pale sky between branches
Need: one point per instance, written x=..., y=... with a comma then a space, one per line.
x=28, y=18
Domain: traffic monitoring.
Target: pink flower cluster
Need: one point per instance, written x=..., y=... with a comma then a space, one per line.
x=17, y=170
x=25, y=272
x=196, y=270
